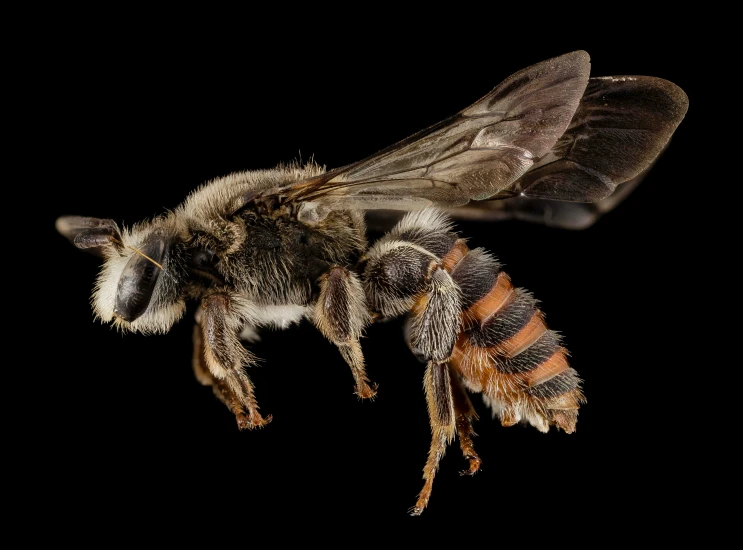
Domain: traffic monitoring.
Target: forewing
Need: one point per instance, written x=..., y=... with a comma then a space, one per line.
x=621, y=126
x=618, y=131
x=476, y=154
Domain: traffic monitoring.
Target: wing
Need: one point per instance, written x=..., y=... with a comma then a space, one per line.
x=621, y=127
x=476, y=154
x=547, y=132
x=551, y=213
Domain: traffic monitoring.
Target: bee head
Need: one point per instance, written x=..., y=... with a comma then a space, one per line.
x=141, y=284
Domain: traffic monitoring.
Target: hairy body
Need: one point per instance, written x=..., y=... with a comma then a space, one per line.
x=271, y=247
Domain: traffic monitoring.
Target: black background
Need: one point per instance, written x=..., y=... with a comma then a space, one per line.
x=132, y=123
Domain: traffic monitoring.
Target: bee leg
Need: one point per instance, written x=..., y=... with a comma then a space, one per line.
x=403, y=276
x=218, y=348
x=465, y=414
x=341, y=315
x=201, y=371
x=437, y=385
x=433, y=330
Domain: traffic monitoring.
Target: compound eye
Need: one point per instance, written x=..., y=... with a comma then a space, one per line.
x=138, y=280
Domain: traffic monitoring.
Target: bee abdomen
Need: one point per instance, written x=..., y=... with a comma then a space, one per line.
x=506, y=351
x=465, y=310
x=513, y=326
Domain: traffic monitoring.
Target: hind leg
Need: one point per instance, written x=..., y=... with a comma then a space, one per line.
x=408, y=271
x=465, y=414
x=437, y=386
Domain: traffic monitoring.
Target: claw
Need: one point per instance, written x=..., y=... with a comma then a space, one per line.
x=253, y=421
x=415, y=511
x=474, y=467
x=366, y=392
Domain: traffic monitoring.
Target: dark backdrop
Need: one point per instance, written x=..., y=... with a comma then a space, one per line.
x=130, y=129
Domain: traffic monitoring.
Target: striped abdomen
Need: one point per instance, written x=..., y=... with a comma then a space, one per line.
x=465, y=311
x=505, y=350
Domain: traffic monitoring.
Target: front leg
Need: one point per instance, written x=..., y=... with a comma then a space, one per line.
x=341, y=315
x=220, y=358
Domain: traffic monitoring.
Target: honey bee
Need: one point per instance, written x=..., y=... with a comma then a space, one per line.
x=269, y=248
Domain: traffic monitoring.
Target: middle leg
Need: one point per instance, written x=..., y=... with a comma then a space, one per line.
x=341, y=315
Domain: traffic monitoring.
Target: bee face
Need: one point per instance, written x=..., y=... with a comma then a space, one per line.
x=141, y=285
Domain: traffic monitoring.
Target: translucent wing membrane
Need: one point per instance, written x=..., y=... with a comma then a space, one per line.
x=552, y=213
x=621, y=126
x=475, y=154
x=546, y=132
x=488, y=145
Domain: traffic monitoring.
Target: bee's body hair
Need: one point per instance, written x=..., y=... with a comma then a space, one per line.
x=269, y=248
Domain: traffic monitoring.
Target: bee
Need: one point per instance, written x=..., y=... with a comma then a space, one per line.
x=269, y=248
